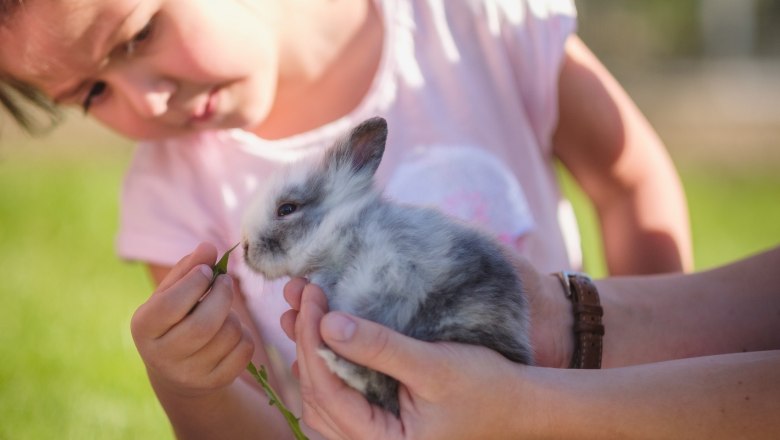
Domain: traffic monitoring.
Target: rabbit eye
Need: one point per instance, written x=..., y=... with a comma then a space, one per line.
x=286, y=209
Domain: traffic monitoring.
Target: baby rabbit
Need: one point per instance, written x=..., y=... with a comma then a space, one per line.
x=409, y=268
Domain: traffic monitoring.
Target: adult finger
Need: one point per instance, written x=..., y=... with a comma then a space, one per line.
x=377, y=347
x=307, y=343
x=329, y=401
x=293, y=290
x=287, y=321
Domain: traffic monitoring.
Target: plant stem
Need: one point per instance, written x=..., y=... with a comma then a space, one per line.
x=262, y=377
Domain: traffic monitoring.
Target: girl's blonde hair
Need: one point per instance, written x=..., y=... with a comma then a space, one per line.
x=18, y=98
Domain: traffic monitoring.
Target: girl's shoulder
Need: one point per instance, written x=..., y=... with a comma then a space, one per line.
x=513, y=11
x=513, y=19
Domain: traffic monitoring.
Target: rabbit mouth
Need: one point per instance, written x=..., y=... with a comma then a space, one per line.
x=268, y=257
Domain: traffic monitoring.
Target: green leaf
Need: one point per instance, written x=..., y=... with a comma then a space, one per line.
x=221, y=267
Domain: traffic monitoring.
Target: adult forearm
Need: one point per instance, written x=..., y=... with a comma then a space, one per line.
x=726, y=396
x=235, y=412
x=726, y=310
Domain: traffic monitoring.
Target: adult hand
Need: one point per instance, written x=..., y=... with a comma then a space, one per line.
x=447, y=390
x=192, y=344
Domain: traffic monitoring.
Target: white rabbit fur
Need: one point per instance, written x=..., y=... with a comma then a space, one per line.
x=410, y=268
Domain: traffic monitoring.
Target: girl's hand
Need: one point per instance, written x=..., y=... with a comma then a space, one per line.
x=447, y=390
x=192, y=345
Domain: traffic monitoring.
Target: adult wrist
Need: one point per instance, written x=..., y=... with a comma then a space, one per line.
x=551, y=331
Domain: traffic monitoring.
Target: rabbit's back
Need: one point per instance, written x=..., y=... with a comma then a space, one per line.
x=433, y=278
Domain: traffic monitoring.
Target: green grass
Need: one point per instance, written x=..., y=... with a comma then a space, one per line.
x=68, y=366
x=734, y=212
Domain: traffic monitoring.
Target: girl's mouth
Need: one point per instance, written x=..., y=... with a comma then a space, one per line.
x=207, y=109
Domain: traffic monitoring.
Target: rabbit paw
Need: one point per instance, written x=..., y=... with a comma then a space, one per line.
x=350, y=373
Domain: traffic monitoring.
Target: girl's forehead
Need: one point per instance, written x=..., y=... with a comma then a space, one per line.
x=48, y=41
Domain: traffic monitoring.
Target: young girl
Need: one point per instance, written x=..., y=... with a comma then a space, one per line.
x=480, y=97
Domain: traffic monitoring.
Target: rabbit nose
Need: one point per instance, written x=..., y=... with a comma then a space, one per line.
x=246, y=247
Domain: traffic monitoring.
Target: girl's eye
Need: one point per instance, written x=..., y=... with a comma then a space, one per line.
x=142, y=35
x=286, y=209
x=94, y=92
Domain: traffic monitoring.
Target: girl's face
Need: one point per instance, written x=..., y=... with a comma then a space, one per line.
x=150, y=68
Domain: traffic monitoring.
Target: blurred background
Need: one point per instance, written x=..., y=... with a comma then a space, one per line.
x=706, y=74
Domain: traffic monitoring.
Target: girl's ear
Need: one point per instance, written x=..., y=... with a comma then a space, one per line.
x=363, y=147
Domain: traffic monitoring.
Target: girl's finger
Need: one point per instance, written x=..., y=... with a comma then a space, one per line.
x=168, y=307
x=224, y=341
x=235, y=361
x=207, y=316
x=204, y=253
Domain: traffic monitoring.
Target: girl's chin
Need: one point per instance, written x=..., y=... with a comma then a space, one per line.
x=218, y=122
x=245, y=121
x=215, y=122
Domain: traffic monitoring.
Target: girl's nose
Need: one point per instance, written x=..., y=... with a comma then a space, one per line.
x=154, y=101
x=149, y=95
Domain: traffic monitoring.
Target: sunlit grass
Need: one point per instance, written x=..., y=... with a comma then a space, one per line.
x=734, y=212
x=68, y=367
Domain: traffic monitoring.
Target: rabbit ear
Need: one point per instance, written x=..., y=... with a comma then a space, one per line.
x=363, y=147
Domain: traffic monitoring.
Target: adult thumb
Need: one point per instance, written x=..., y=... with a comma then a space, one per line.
x=378, y=347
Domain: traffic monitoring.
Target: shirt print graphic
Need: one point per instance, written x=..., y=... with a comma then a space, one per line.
x=468, y=183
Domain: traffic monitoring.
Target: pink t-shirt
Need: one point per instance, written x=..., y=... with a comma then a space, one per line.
x=469, y=90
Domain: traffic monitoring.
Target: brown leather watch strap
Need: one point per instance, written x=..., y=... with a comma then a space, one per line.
x=588, y=327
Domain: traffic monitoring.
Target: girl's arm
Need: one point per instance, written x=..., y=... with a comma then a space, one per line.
x=196, y=348
x=617, y=158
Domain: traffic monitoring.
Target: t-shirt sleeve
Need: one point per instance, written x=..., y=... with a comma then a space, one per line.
x=535, y=34
x=165, y=206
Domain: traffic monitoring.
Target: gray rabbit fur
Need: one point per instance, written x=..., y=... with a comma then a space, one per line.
x=410, y=268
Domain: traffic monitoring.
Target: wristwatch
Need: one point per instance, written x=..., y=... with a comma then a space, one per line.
x=588, y=327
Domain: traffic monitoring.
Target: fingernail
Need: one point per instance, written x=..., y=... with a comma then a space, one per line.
x=225, y=279
x=206, y=271
x=338, y=327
